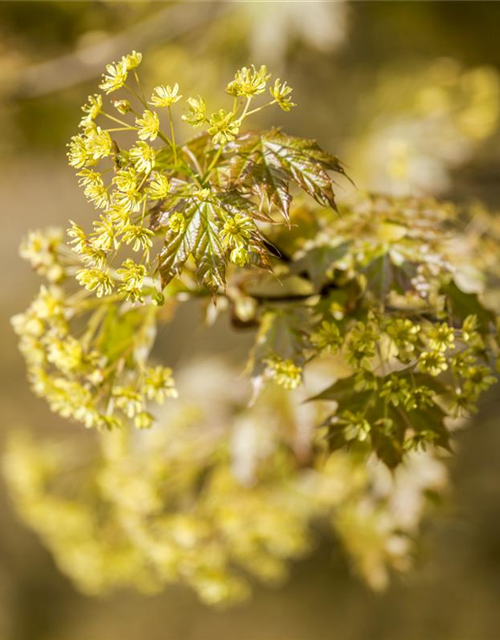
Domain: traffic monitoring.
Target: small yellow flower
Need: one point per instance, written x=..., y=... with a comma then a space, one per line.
x=132, y=60
x=41, y=250
x=197, y=112
x=129, y=201
x=158, y=187
x=143, y=156
x=223, y=127
x=97, y=280
x=149, y=125
x=432, y=362
x=327, y=338
x=49, y=304
x=79, y=238
x=165, y=95
x=441, y=337
x=78, y=153
x=248, y=82
x=99, y=144
x=132, y=276
x=143, y=420
x=126, y=180
x=66, y=355
x=115, y=77
x=128, y=401
x=122, y=106
x=94, y=188
x=281, y=93
x=396, y=390
x=159, y=384
x=104, y=234
x=285, y=373
x=128, y=198
x=239, y=256
x=177, y=222
x=93, y=107
x=237, y=231
x=139, y=236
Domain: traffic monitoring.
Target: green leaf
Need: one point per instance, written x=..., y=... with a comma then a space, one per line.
x=265, y=164
x=319, y=261
x=304, y=162
x=383, y=276
x=339, y=391
x=387, y=438
x=199, y=238
x=252, y=169
x=464, y=304
x=281, y=333
x=118, y=332
x=233, y=203
x=388, y=445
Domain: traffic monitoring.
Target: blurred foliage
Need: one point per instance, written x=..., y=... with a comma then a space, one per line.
x=410, y=141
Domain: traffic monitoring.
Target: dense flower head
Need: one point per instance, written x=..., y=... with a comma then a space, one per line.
x=41, y=250
x=249, y=82
x=149, y=125
x=223, y=126
x=285, y=373
x=197, y=112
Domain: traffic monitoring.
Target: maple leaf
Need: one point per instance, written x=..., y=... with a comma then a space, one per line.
x=199, y=237
x=389, y=424
x=267, y=163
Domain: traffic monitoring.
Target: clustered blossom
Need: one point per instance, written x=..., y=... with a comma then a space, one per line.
x=86, y=378
x=144, y=523
x=413, y=349
x=144, y=178
x=42, y=250
x=285, y=373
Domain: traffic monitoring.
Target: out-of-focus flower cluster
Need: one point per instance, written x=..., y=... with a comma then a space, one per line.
x=215, y=496
x=401, y=300
x=422, y=135
x=87, y=356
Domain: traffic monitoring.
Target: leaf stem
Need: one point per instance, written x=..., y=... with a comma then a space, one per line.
x=212, y=164
x=133, y=91
x=122, y=122
x=245, y=110
x=172, y=134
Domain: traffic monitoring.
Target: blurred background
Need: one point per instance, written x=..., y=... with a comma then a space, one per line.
x=408, y=95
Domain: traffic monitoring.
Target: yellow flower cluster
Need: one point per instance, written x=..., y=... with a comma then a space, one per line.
x=211, y=500
x=143, y=176
x=101, y=378
x=42, y=249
